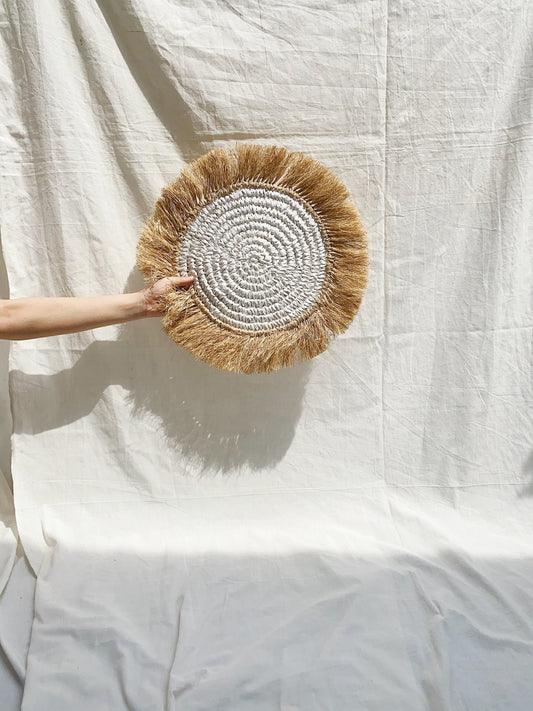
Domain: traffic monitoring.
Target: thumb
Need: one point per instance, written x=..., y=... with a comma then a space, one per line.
x=181, y=280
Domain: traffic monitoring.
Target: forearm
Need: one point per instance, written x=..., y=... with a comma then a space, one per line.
x=36, y=317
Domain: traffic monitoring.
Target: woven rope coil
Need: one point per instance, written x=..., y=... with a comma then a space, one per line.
x=258, y=257
x=278, y=252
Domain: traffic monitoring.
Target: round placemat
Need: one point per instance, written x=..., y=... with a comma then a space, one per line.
x=278, y=251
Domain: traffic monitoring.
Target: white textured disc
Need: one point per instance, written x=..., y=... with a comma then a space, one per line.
x=258, y=257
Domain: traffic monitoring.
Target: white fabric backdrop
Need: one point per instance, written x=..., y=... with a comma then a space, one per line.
x=351, y=533
x=17, y=580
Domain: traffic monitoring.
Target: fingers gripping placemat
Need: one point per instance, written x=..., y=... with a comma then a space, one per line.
x=278, y=251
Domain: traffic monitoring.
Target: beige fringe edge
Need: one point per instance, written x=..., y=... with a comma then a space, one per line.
x=189, y=325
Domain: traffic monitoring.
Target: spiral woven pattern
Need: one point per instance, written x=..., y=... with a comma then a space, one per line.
x=277, y=249
x=258, y=257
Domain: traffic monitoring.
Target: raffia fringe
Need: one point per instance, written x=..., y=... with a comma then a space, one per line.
x=226, y=348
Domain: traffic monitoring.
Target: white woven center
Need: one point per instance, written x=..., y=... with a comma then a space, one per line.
x=258, y=257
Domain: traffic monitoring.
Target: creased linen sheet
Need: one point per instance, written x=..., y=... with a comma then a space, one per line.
x=354, y=532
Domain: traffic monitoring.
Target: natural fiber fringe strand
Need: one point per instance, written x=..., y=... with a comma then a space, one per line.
x=226, y=348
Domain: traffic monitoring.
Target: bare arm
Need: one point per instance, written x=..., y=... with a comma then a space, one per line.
x=35, y=317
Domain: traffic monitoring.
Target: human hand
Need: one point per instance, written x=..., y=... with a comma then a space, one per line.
x=151, y=296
